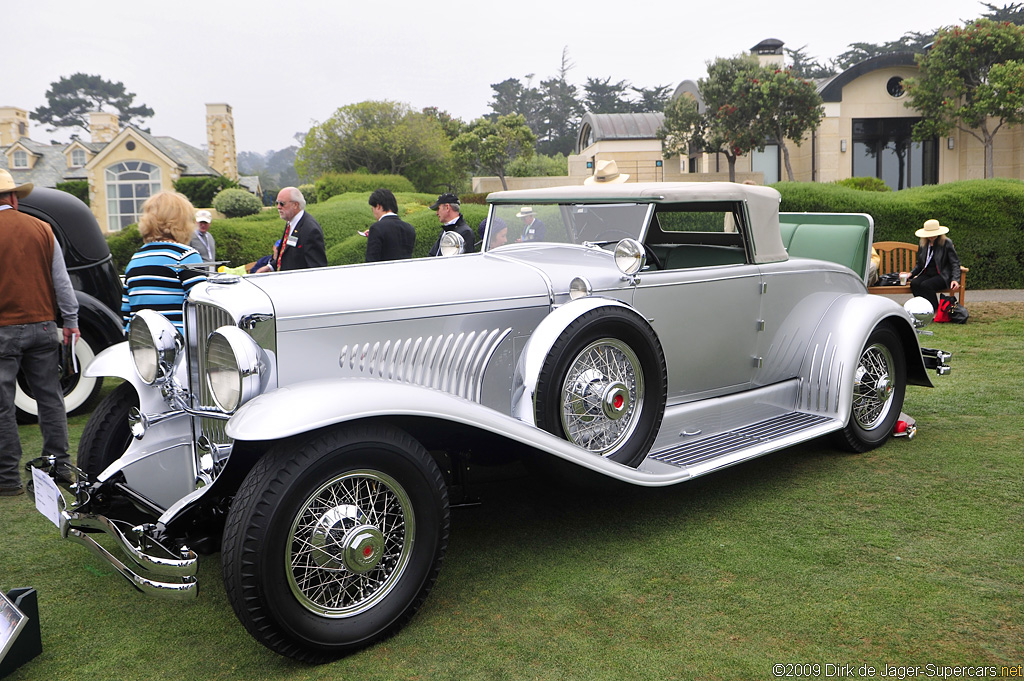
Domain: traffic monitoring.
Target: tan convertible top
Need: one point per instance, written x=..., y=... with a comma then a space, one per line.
x=762, y=203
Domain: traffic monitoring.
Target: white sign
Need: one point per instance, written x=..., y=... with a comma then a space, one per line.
x=46, y=495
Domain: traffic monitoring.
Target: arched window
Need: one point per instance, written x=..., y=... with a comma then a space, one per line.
x=129, y=184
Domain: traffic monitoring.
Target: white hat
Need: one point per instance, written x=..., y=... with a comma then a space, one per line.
x=203, y=216
x=931, y=228
x=525, y=211
x=607, y=172
x=7, y=185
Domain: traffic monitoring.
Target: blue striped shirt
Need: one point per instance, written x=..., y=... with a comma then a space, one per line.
x=151, y=280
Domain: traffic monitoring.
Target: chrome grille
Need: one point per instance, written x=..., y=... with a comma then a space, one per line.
x=453, y=363
x=204, y=319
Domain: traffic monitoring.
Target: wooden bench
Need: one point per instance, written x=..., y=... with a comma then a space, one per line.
x=899, y=256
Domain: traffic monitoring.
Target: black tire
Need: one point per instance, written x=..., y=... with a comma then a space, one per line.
x=107, y=434
x=880, y=383
x=614, y=416
x=79, y=391
x=316, y=569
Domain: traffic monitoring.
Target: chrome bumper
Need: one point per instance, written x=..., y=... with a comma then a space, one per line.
x=151, y=568
x=936, y=359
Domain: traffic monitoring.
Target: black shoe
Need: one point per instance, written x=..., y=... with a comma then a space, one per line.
x=12, y=491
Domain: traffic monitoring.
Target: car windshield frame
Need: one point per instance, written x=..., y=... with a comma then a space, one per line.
x=566, y=222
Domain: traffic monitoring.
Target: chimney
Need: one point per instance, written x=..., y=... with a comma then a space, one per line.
x=13, y=125
x=220, y=140
x=103, y=126
x=769, y=52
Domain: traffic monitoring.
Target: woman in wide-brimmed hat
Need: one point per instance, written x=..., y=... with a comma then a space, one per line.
x=938, y=266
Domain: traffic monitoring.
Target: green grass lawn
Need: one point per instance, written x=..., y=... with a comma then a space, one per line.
x=907, y=555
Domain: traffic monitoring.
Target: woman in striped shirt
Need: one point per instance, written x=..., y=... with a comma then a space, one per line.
x=161, y=273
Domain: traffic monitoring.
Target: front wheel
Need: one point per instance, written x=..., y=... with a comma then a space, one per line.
x=879, y=385
x=108, y=432
x=333, y=544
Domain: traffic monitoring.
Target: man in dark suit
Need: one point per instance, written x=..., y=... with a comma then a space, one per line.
x=389, y=238
x=302, y=244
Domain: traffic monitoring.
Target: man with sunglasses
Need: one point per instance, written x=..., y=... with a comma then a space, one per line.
x=302, y=244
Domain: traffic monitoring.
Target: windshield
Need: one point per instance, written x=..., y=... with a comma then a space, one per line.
x=564, y=223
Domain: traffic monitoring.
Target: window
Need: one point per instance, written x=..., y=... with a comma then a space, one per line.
x=129, y=184
x=77, y=158
x=19, y=159
x=883, y=148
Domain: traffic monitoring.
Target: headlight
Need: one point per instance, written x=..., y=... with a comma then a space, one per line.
x=920, y=311
x=579, y=288
x=630, y=256
x=452, y=243
x=155, y=345
x=234, y=367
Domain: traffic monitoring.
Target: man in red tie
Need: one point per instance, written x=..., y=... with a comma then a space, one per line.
x=302, y=244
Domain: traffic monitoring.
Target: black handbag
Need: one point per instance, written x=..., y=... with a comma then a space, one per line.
x=889, y=279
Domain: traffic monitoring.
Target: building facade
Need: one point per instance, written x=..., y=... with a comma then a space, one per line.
x=123, y=166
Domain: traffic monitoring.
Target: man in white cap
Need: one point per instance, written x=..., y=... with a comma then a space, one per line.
x=606, y=172
x=34, y=288
x=202, y=240
x=938, y=265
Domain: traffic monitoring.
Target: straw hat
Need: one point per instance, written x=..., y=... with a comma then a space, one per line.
x=7, y=185
x=931, y=228
x=525, y=211
x=607, y=172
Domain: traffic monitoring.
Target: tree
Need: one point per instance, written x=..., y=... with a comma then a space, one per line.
x=378, y=136
x=731, y=122
x=804, y=66
x=791, y=107
x=858, y=52
x=561, y=111
x=492, y=146
x=603, y=96
x=72, y=97
x=1014, y=13
x=513, y=97
x=651, y=99
x=972, y=79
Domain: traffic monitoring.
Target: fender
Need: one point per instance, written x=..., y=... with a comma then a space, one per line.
x=831, y=355
x=538, y=347
x=274, y=415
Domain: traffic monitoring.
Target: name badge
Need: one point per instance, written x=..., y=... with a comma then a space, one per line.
x=293, y=241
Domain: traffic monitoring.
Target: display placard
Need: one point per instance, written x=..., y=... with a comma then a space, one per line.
x=12, y=621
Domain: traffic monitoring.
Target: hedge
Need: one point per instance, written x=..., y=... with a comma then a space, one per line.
x=985, y=219
x=333, y=184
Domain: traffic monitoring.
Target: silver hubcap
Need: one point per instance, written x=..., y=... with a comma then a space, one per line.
x=602, y=396
x=873, y=387
x=350, y=543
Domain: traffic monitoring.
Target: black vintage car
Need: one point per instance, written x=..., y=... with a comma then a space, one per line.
x=97, y=287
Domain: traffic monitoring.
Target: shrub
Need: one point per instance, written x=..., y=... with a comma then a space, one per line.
x=333, y=184
x=236, y=203
x=308, y=192
x=123, y=245
x=983, y=217
x=201, y=190
x=79, y=188
x=867, y=184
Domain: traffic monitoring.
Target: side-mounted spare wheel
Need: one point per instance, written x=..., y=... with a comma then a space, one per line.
x=879, y=385
x=603, y=385
x=333, y=543
x=79, y=390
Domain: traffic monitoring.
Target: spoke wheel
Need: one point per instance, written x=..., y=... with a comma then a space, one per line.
x=603, y=385
x=879, y=385
x=333, y=542
x=350, y=543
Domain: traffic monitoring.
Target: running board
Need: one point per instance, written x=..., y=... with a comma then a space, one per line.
x=733, y=446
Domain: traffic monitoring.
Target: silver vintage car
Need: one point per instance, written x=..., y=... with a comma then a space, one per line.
x=314, y=426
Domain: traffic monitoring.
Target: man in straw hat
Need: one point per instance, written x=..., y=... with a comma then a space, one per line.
x=34, y=287
x=606, y=172
x=533, y=228
x=938, y=266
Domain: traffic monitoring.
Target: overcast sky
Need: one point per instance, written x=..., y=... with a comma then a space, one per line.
x=286, y=66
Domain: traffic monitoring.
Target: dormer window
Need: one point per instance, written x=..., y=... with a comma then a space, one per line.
x=77, y=158
x=19, y=159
